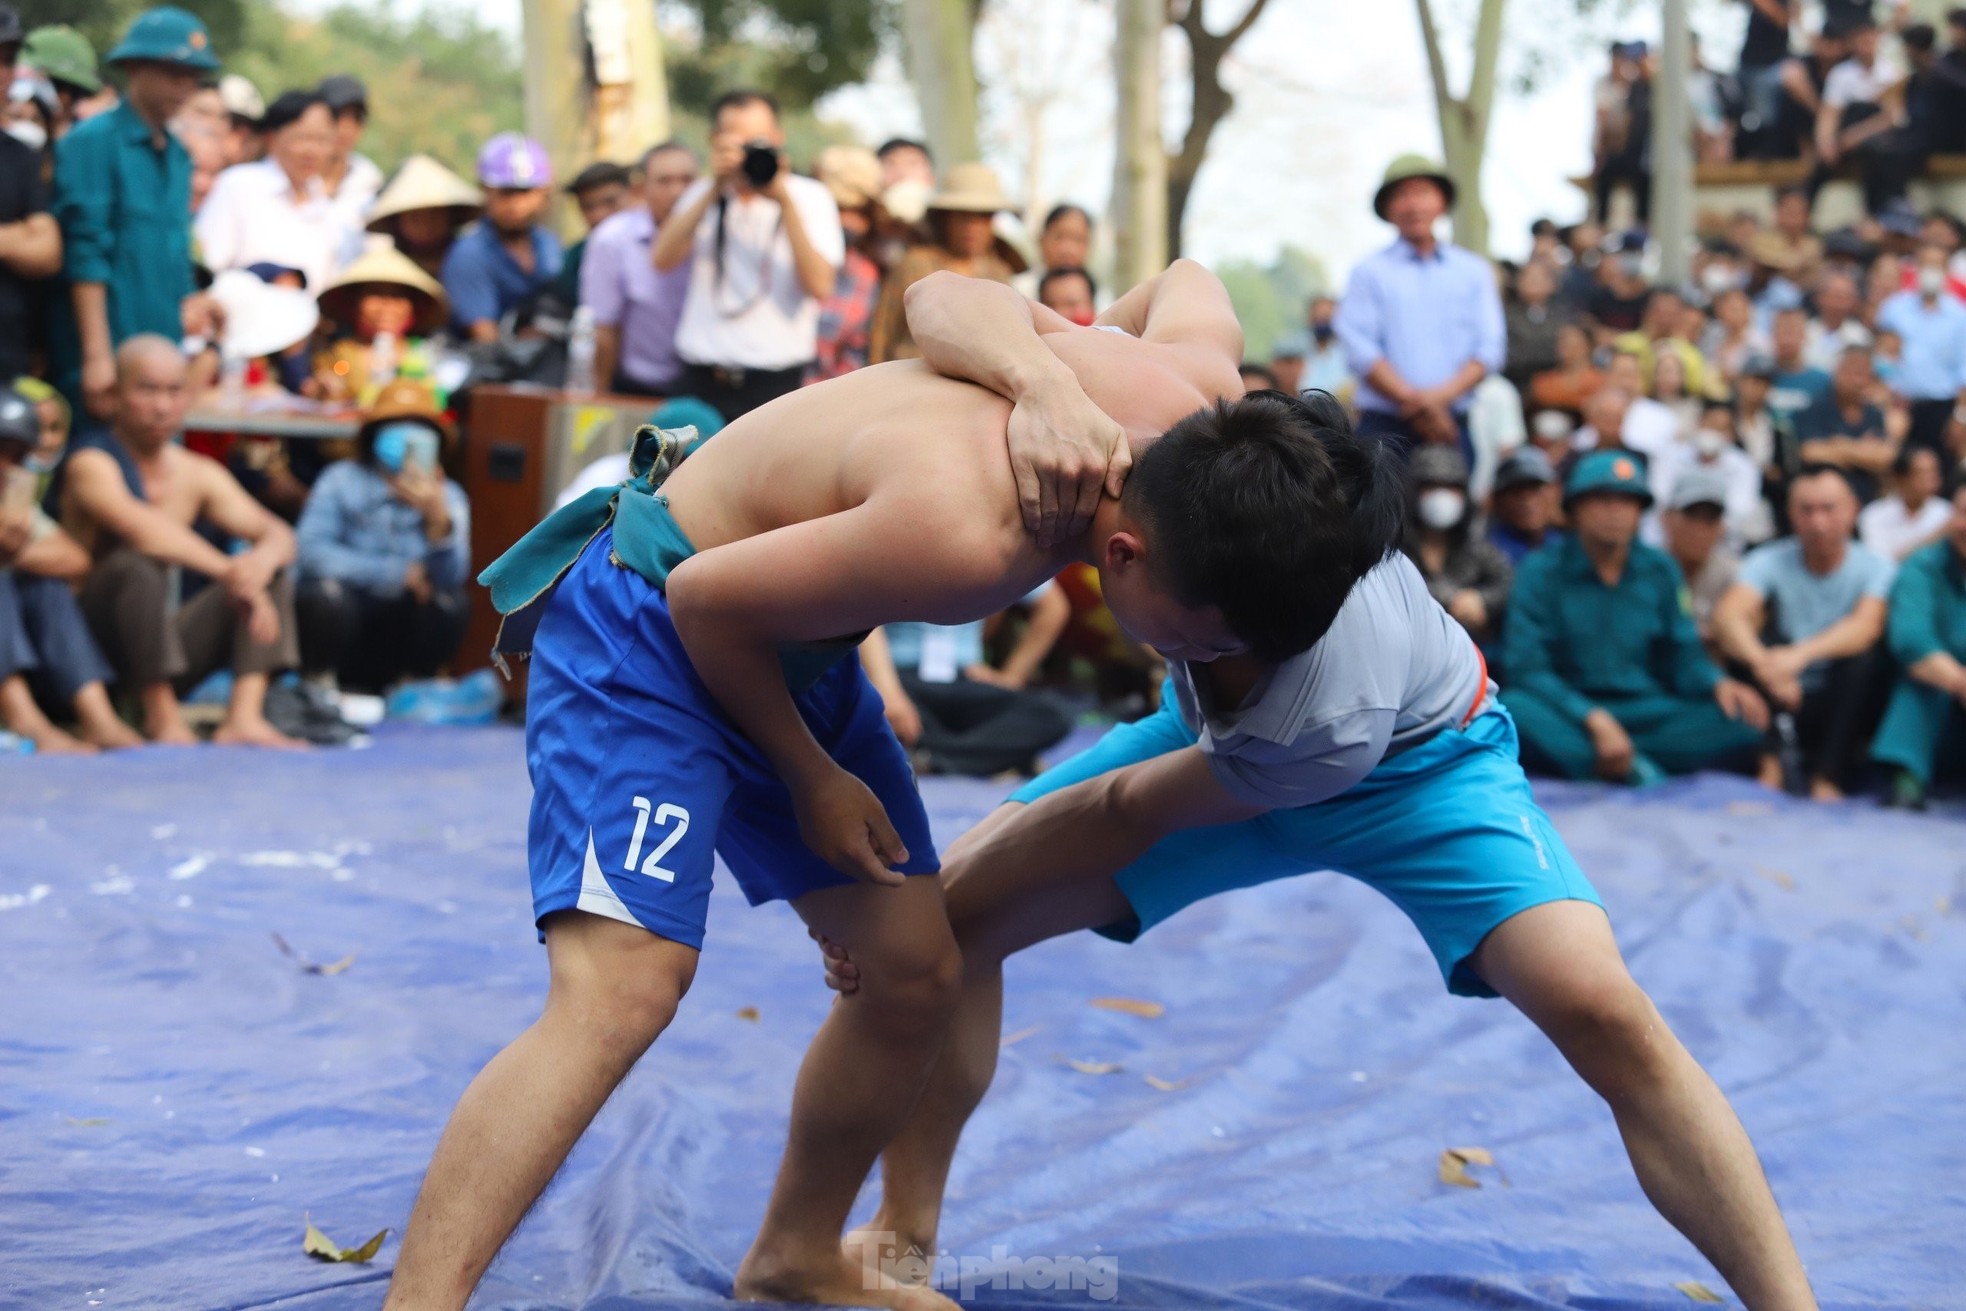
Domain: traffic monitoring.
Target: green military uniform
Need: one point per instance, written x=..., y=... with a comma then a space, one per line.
x=124, y=204
x=1928, y=613
x=1573, y=645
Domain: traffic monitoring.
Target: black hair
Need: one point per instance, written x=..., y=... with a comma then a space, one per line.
x=739, y=99
x=600, y=173
x=1793, y=189
x=662, y=148
x=1662, y=291
x=287, y=107
x=1060, y=211
x=1901, y=462
x=1262, y=371
x=1920, y=37
x=1269, y=508
x=1956, y=17
x=1059, y=275
x=1817, y=469
x=1712, y=403
x=892, y=144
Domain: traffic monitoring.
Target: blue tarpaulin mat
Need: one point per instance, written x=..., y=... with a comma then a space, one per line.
x=176, y=1093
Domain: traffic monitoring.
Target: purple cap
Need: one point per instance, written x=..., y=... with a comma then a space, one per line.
x=512, y=161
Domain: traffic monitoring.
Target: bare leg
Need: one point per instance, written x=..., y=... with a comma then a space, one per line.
x=614, y=988
x=163, y=717
x=20, y=714
x=99, y=722
x=998, y=908
x=245, y=718
x=860, y=1079
x=1560, y=965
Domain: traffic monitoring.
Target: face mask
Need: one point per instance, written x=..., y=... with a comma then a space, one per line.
x=31, y=135
x=1931, y=281
x=1709, y=444
x=1442, y=507
x=1716, y=278
x=1633, y=265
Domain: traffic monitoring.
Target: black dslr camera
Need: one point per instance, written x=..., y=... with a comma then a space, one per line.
x=761, y=163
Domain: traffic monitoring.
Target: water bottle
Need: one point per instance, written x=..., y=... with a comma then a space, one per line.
x=580, y=353
x=382, y=361
x=232, y=383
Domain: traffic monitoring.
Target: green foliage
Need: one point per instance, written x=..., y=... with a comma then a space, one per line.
x=796, y=49
x=440, y=82
x=1271, y=301
x=103, y=21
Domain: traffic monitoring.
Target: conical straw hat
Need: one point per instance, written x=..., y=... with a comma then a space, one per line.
x=380, y=263
x=423, y=183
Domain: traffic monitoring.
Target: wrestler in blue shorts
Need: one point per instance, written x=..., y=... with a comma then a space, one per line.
x=1381, y=753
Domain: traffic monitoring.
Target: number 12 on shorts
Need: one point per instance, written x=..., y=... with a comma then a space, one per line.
x=661, y=816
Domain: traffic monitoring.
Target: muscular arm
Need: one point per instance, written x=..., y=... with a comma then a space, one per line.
x=232, y=508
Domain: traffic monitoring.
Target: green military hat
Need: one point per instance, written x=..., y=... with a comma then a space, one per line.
x=167, y=35
x=1411, y=166
x=1609, y=471
x=64, y=54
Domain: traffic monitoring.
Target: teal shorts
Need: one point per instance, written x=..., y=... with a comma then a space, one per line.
x=1447, y=829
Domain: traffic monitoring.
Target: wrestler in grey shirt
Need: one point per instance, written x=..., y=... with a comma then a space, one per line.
x=1394, y=669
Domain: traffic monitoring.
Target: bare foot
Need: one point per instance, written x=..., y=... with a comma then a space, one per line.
x=1822, y=789
x=51, y=741
x=840, y=1282
x=1769, y=775
x=255, y=733
x=111, y=735
x=176, y=733
x=878, y=1248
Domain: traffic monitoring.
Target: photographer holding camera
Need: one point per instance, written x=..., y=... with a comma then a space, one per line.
x=764, y=246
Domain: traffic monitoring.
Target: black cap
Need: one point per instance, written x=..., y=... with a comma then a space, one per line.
x=343, y=92
x=10, y=29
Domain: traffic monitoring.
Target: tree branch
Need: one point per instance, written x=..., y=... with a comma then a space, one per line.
x=1247, y=21
x=1480, y=99
x=1436, y=62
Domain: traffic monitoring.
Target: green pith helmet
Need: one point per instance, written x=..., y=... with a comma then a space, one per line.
x=167, y=35
x=1411, y=166
x=64, y=54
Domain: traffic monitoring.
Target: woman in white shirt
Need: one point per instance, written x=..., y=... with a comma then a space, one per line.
x=1899, y=524
x=277, y=210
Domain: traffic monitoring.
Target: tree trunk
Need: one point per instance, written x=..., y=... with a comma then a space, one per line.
x=1464, y=119
x=938, y=37
x=631, y=90
x=556, y=92
x=1211, y=104
x=1140, y=191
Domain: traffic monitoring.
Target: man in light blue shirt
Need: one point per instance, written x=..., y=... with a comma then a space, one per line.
x=1421, y=321
x=1931, y=324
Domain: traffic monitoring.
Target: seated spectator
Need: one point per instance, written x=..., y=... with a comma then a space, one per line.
x=1836, y=326
x=1764, y=49
x=1605, y=424
x=1650, y=426
x=1803, y=79
x=1712, y=447
x=509, y=256
x=1533, y=321
x=1931, y=375
x=131, y=498
x=636, y=308
x=381, y=310
x=759, y=272
x=47, y=656
x=1790, y=247
x=277, y=210
x=1574, y=379
x=846, y=318
x=1852, y=123
x=1607, y=677
x=1797, y=384
x=1287, y=362
x=1523, y=509
x=1804, y=619
x=1669, y=389
x=385, y=551
x=957, y=713
x=1070, y=293
x=1925, y=722
x=1467, y=573
x=1846, y=430
x=423, y=208
x=1694, y=528
x=1658, y=333
x=1913, y=515
x=1584, y=244
x=960, y=217
x=351, y=178
x=600, y=191
x=1257, y=377
x=1616, y=305
x=1325, y=369
x=1064, y=242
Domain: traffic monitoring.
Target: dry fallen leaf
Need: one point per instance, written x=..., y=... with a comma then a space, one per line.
x=1454, y=1163
x=1698, y=1292
x=1778, y=877
x=1096, y=1067
x=1164, y=1085
x=747, y=1012
x=1146, y=1010
x=322, y=1248
x=1012, y=1039
x=308, y=966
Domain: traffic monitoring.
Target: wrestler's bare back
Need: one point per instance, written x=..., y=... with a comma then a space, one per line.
x=900, y=429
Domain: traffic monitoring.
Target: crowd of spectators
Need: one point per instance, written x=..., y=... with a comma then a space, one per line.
x=1711, y=525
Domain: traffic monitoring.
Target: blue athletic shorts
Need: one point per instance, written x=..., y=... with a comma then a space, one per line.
x=638, y=776
x=1447, y=829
